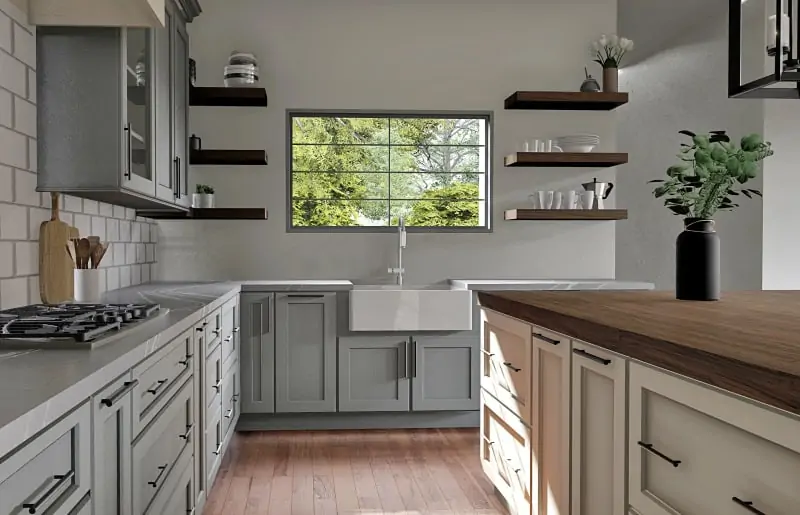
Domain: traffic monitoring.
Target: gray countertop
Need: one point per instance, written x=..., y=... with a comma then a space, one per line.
x=297, y=285
x=547, y=284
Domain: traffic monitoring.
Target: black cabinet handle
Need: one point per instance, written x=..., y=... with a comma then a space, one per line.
x=512, y=367
x=199, y=329
x=229, y=414
x=228, y=339
x=180, y=185
x=126, y=387
x=188, y=433
x=589, y=355
x=216, y=332
x=748, y=505
x=160, y=383
x=546, y=339
x=316, y=296
x=161, y=470
x=487, y=353
x=61, y=480
x=177, y=170
x=128, y=152
x=413, y=356
x=205, y=323
x=185, y=362
x=219, y=449
x=235, y=329
x=217, y=385
x=649, y=448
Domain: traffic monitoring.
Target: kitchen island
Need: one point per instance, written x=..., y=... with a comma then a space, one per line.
x=633, y=402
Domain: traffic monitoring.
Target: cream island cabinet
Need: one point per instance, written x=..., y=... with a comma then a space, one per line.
x=149, y=442
x=568, y=427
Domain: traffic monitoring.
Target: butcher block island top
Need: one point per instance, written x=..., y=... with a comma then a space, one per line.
x=747, y=343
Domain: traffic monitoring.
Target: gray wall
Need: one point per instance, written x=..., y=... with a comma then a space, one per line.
x=684, y=86
x=394, y=54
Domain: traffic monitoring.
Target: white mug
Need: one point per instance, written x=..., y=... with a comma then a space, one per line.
x=539, y=199
x=587, y=199
x=547, y=199
x=557, y=200
x=550, y=146
x=569, y=199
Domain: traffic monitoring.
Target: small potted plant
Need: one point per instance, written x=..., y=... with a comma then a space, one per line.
x=203, y=197
x=608, y=52
x=712, y=172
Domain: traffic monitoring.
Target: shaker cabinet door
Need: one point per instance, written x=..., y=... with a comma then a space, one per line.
x=374, y=373
x=445, y=374
x=257, y=348
x=305, y=352
x=180, y=75
x=139, y=124
x=165, y=170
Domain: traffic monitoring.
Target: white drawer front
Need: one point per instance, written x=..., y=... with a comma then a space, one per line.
x=696, y=450
x=506, y=362
x=52, y=473
x=158, y=376
x=157, y=450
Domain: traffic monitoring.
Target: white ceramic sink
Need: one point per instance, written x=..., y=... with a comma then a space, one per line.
x=392, y=307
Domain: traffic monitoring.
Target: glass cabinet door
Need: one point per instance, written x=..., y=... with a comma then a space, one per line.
x=137, y=160
x=181, y=74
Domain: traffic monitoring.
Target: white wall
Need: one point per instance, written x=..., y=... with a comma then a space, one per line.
x=132, y=255
x=682, y=87
x=393, y=54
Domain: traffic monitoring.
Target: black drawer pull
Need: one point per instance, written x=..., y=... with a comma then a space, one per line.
x=219, y=449
x=748, y=505
x=512, y=367
x=205, y=323
x=304, y=296
x=159, y=384
x=235, y=329
x=126, y=387
x=229, y=414
x=216, y=332
x=589, y=355
x=228, y=339
x=487, y=353
x=199, y=329
x=187, y=434
x=546, y=339
x=61, y=480
x=649, y=448
x=217, y=385
x=161, y=470
x=185, y=362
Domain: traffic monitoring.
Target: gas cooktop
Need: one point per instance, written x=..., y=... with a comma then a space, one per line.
x=70, y=326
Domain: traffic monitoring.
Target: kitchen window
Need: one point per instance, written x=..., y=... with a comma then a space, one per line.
x=356, y=171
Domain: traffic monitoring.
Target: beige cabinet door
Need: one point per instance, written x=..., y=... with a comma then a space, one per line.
x=598, y=431
x=550, y=393
x=506, y=362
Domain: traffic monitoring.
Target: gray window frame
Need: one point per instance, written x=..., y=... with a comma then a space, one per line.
x=365, y=113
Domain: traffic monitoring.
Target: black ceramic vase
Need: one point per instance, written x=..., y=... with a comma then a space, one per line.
x=697, y=261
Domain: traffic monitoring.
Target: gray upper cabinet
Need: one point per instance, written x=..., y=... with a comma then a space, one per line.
x=374, y=373
x=305, y=352
x=445, y=374
x=257, y=347
x=112, y=111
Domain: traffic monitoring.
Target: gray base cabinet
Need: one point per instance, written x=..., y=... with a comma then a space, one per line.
x=374, y=374
x=112, y=411
x=258, y=353
x=446, y=374
x=305, y=352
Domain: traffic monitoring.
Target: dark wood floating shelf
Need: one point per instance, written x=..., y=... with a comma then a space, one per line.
x=220, y=213
x=566, y=159
x=228, y=157
x=566, y=214
x=566, y=100
x=230, y=97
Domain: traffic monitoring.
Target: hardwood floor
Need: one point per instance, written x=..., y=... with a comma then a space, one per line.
x=426, y=471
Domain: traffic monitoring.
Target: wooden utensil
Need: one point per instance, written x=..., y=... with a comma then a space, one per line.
x=55, y=264
x=84, y=253
x=98, y=252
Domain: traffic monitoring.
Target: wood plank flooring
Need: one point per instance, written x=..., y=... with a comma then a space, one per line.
x=377, y=472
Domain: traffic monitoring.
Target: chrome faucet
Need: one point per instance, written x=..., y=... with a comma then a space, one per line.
x=399, y=271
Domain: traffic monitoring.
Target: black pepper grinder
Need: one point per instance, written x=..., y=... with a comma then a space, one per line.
x=194, y=143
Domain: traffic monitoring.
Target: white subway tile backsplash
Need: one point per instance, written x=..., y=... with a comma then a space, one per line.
x=130, y=258
x=6, y=108
x=6, y=259
x=26, y=257
x=13, y=222
x=5, y=32
x=112, y=278
x=13, y=146
x=99, y=227
x=124, y=276
x=24, y=116
x=102, y=280
x=84, y=225
x=13, y=292
x=13, y=75
x=73, y=204
x=24, y=46
x=6, y=184
x=34, y=294
x=25, y=188
x=112, y=229
x=91, y=207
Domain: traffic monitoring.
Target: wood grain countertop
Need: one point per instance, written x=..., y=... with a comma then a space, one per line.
x=747, y=343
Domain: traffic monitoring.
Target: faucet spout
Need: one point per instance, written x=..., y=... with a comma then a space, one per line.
x=401, y=244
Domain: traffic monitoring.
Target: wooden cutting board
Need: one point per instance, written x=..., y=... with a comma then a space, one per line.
x=55, y=263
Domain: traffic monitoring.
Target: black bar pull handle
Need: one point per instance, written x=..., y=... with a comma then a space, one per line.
x=159, y=384
x=161, y=470
x=544, y=338
x=512, y=367
x=313, y=296
x=589, y=355
x=126, y=387
x=61, y=480
x=747, y=505
x=649, y=448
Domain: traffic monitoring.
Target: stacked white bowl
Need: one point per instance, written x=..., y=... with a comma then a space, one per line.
x=578, y=142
